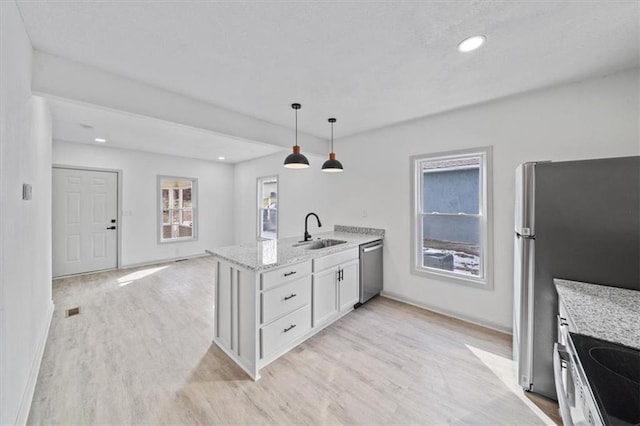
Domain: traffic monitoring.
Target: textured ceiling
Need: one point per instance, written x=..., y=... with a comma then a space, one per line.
x=369, y=64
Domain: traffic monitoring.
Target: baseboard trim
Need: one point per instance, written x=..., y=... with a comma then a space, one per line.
x=27, y=396
x=158, y=262
x=135, y=265
x=466, y=318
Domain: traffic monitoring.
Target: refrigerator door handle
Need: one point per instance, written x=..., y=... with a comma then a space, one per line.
x=523, y=308
x=525, y=199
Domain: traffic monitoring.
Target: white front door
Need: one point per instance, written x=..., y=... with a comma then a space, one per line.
x=85, y=208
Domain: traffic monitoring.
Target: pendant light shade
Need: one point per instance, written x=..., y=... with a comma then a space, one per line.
x=296, y=160
x=332, y=165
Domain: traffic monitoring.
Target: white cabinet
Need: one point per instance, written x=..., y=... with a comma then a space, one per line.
x=279, y=335
x=289, y=273
x=285, y=309
x=335, y=285
x=325, y=296
x=349, y=285
x=235, y=314
x=285, y=298
x=261, y=315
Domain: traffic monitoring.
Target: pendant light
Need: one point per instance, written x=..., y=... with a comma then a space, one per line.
x=296, y=160
x=332, y=165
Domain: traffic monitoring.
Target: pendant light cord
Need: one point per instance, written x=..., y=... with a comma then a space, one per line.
x=296, y=127
x=331, y=137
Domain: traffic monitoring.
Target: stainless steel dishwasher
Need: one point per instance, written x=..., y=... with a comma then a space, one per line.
x=370, y=270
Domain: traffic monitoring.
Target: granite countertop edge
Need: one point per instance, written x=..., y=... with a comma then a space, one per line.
x=604, y=312
x=251, y=255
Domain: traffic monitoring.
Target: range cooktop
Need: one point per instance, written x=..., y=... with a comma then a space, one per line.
x=613, y=372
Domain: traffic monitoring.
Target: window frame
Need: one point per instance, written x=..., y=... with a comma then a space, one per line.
x=194, y=209
x=485, y=281
x=260, y=181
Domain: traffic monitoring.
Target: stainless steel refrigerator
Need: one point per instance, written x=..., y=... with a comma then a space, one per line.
x=577, y=220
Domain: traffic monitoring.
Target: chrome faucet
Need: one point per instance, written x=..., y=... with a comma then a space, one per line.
x=307, y=236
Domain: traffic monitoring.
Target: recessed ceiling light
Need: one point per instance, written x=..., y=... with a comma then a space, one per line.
x=471, y=43
x=100, y=140
x=220, y=158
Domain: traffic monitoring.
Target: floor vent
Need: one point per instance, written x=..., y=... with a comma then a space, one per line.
x=72, y=312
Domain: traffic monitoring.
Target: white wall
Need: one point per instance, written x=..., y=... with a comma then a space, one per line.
x=589, y=119
x=61, y=77
x=139, y=230
x=300, y=192
x=25, y=248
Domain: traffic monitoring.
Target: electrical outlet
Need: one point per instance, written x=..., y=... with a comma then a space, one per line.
x=364, y=213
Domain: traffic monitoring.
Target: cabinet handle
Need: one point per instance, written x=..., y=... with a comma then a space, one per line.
x=290, y=296
x=289, y=328
x=286, y=274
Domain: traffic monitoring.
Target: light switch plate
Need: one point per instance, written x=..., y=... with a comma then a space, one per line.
x=26, y=191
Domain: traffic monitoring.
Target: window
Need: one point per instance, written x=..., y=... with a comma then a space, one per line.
x=178, y=209
x=268, y=208
x=452, y=217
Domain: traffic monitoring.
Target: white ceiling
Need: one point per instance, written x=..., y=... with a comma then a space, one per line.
x=369, y=64
x=130, y=131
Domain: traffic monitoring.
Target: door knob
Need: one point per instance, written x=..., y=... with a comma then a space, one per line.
x=111, y=227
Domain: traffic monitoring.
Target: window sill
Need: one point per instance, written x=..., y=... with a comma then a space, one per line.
x=178, y=240
x=485, y=284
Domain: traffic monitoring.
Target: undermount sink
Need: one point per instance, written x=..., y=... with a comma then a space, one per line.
x=319, y=244
x=324, y=244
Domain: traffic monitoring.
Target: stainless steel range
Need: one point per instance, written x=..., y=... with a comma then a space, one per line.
x=597, y=382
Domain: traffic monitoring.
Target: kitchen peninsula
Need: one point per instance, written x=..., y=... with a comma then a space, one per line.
x=272, y=295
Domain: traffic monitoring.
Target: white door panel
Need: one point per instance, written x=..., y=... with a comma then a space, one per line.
x=85, y=205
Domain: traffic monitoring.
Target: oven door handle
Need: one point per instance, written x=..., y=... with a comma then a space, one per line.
x=560, y=354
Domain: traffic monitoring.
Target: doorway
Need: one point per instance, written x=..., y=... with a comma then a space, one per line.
x=85, y=220
x=268, y=208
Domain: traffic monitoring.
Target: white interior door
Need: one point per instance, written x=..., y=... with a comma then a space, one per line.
x=85, y=207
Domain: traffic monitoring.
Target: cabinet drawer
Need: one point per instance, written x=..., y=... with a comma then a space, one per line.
x=335, y=259
x=282, y=275
x=282, y=332
x=286, y=298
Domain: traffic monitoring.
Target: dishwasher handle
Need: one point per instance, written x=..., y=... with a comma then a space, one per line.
x=370, y=249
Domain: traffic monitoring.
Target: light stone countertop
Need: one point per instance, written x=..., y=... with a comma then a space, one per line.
x=603, y=312
x=270, y=254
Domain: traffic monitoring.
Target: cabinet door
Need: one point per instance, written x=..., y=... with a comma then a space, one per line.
x=325, y=303
x=349, y=285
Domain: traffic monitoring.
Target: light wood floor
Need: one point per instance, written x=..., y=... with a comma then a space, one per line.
x=141, y=351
